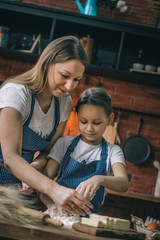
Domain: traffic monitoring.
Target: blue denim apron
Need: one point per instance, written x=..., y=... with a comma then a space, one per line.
x=72, y=173
x=32, y=143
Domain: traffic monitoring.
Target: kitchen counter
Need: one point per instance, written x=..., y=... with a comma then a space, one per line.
x=43, y=232
x=122, y=205
x=136, y=195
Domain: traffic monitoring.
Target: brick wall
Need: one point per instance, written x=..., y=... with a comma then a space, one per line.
x=139, y=12
x=138, y=98
x=126, y=96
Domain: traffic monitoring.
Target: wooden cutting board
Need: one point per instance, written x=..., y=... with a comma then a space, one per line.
x=110, y=134
x=129, y=235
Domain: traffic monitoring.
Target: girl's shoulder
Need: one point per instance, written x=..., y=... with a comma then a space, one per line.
x=64, y=141
x=113, y=146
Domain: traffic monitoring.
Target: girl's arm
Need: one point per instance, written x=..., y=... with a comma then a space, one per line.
x=11, y=145
x=51, y=168
x=41, y=160
x=118, y=182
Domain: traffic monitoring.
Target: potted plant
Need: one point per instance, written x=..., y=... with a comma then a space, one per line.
x=91, y=6
x=112, y=4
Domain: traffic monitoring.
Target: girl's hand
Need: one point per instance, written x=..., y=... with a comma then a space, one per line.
x=26, y=189
x=71, y=200
x=89, y=187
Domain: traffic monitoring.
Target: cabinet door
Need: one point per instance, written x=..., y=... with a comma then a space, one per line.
x=117, y=206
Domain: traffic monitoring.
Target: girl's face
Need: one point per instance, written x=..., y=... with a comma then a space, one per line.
x=92, y=122
x=64, y=77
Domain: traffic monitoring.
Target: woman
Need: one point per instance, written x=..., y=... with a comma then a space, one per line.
x=34, y=108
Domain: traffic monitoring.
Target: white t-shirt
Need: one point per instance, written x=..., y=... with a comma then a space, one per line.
x=86, y=152
x=19, y=97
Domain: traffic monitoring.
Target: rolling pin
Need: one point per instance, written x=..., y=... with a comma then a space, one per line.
x=42, y=217
x=85, y=228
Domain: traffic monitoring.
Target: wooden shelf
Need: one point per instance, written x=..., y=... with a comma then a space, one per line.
x=26, y=17
x=133, y=77
x=145, y=72
x=135, y=195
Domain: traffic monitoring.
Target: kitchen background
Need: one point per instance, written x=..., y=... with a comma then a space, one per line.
x=133, y=101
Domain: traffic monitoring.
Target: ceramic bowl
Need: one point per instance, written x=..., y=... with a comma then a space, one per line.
x=150, y=68
x=138, y=66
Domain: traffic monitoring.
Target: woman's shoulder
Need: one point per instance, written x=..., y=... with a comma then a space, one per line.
x=16, y=96
x=15, y=87
x=65, y=99
x=65, y=103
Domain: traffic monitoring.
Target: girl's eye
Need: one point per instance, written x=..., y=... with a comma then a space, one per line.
x=83, y=122
x=97, y=123
x=77, y=80
x=64, y=76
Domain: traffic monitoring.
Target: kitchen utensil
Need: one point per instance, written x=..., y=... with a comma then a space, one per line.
x=131, y=234
x=157, y=164
x=88, y=45
x=110, y=134
x=138, y=66
x=136, y=149
x=12, y=209
x=157, y=186
x=158, y=69
x=150, y=68
x=90, y=7
x=41, y=217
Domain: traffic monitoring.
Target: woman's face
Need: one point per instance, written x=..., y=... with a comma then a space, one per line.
x=64, y=77
x=92, y=122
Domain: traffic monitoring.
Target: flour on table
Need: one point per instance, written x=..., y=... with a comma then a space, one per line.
x=60, y=214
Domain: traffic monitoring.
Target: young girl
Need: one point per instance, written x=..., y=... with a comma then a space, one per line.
x=88, y=163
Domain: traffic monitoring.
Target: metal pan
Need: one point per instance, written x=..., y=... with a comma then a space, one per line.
x=136, y=149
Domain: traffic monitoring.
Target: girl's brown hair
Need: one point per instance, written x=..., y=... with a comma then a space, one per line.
x=97, y=97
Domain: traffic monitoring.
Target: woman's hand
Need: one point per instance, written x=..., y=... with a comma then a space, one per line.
x=89, y=187
x=71, y=200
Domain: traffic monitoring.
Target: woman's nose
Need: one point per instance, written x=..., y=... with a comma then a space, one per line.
x=70, y=85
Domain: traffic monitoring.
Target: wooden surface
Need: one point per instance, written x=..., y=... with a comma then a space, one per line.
x=136, y=195
x=43, y=232
x=129, y=235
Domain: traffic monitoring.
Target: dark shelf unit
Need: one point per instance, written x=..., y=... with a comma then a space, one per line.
x=116, y=43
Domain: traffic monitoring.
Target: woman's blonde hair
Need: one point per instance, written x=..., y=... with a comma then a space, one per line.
x=60, y=50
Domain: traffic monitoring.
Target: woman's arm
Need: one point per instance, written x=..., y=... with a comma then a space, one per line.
x=11, y=145
x=59, y=133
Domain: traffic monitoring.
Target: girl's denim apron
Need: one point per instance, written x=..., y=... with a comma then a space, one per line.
x=32, y=143
x=72, y=173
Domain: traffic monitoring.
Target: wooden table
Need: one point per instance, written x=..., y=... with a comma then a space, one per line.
x=43, y=232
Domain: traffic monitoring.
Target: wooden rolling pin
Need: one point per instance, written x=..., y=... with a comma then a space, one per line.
x=42, y=217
